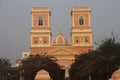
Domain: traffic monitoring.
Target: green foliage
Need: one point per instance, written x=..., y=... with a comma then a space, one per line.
x=6, y=71
x=35, y=63
x=99, y=63
x=4, y=68
x=109, y=46
x=4, y=62
x=14, y=73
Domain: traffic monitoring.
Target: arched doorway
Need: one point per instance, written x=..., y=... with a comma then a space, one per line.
x=115, y=75
x=42, y=75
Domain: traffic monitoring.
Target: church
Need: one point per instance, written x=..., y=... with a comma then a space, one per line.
x=60, y=47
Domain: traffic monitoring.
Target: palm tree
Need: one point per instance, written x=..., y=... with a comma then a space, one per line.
x=105, y=65
x=5, y=65
x=109, y=56
x=83, y=66
x=99, y=63
x=35, y=63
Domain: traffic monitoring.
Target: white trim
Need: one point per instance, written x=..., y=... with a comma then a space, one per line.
x=89, y=20
x=48, y=20
x=32, y=20
x=73, y=20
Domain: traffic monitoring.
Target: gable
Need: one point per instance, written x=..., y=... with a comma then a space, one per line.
x=61, y=51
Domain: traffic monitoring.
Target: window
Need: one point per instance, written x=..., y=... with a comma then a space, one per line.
x=35, y=40
x=40, y=21
x=76, y=39
x=81, y=20
x=87, y=39
x=45, y=40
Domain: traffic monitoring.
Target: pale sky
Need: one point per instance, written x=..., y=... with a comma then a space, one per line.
x=15, y=21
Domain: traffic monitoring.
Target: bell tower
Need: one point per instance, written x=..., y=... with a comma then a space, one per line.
x=81, y=27
x=40, y=31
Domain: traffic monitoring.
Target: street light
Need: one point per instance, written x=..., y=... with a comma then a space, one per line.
x=8, y=75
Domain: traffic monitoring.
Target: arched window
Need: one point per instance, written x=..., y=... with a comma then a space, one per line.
x=40, y=21
x=81, y=20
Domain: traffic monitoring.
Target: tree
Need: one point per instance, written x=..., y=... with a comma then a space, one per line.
x=108, y=57
x=99, y=63
x=35, y=63
x=83, y=66
x=105, y=65
x=4, y=68
x=4, y=62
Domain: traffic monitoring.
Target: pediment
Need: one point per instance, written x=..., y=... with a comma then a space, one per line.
x=61, y=51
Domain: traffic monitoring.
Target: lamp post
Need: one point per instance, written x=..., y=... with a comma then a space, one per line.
x=21, y=75
x=67, y=77
x=8, y=75
x=89, y=77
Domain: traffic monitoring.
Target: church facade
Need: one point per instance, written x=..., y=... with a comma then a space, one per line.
x=60, y=47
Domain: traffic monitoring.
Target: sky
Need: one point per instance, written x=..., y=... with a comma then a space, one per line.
x=15, y=21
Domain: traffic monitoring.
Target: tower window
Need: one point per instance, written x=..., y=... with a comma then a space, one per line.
x=81, y=20
x=45, y=40
x=87, y=39
x=76, y=39
x=35, y=40
x=40, y=21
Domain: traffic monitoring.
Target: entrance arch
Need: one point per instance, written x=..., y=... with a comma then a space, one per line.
x=115, y=75
x=42, y=75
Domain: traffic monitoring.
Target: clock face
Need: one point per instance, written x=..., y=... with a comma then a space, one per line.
x=40, y=38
